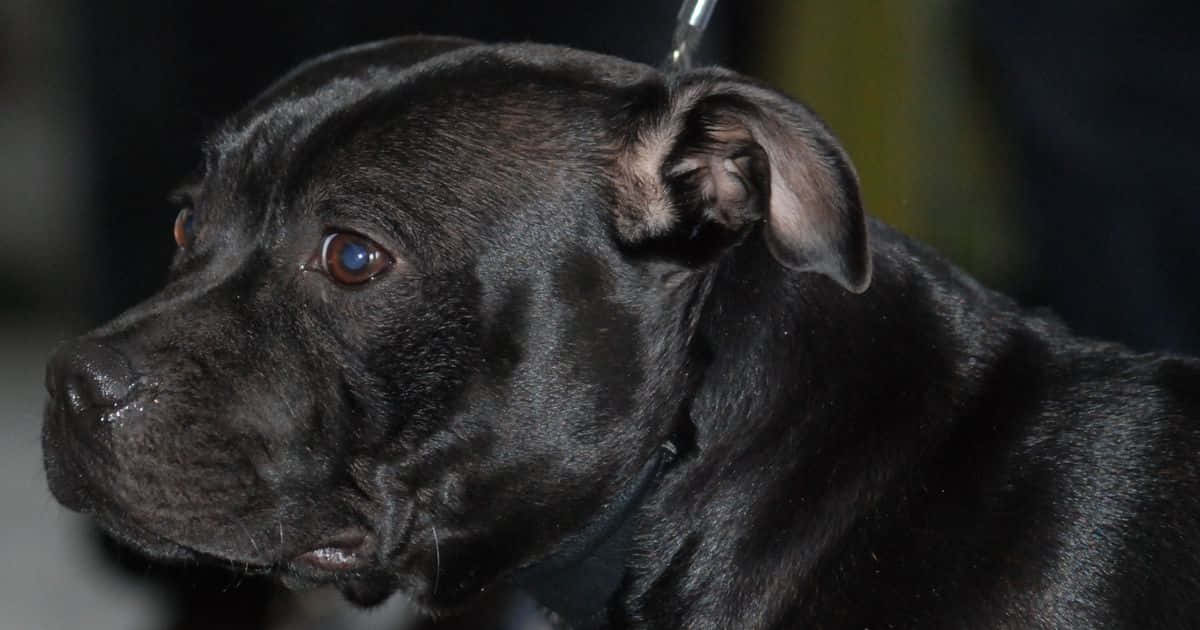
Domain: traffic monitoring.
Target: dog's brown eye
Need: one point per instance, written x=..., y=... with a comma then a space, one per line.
x=352, y=259
x=184, y=226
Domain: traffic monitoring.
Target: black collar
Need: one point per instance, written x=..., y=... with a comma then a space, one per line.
x=579, y=580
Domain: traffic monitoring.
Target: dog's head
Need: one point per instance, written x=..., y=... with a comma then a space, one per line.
x=433, y=308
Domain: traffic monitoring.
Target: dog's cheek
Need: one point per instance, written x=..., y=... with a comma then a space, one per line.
x=524, y=456
x=423, y=347
x=602, y=338
x=495, y=428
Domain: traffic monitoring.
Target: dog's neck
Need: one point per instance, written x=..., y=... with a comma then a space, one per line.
x=805, y=386
x=579, y=581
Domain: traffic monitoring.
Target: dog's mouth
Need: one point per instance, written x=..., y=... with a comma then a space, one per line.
x=348, y=557
x=79, y=475
x=349, y=550
x=76, y=475
x=348, y=560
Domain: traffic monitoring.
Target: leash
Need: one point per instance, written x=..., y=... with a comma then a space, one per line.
x=689, y=28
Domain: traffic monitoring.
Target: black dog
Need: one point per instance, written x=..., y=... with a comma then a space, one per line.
x=445, y=316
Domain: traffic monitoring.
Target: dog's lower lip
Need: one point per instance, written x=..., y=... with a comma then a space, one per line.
x=334, y=559
x=347, y=551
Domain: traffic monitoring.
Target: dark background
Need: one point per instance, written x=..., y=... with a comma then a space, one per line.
x=1051, y=148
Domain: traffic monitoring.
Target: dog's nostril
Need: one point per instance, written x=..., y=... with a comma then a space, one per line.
x=85, y=375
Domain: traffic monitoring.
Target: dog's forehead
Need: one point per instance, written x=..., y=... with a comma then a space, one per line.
x=467, y=131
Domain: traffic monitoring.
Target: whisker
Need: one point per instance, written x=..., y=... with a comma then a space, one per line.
x=437, y=559
x=253, y=543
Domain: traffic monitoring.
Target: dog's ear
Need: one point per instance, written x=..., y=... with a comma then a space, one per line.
x=724, y=154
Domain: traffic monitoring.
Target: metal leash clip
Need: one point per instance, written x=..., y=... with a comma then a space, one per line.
x=689, y=28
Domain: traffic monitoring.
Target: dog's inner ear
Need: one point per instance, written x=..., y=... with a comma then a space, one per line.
x=717, y=175
x=741, y=156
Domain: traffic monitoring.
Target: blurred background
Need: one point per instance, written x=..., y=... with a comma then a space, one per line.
x=1050, y=148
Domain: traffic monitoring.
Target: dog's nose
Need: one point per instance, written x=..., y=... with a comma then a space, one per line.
x=85, y=376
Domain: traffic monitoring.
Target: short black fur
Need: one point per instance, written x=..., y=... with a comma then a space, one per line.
x=601, y=271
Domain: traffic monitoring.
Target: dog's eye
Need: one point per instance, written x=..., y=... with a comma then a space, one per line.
x=352, y=259
x=185, y=223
